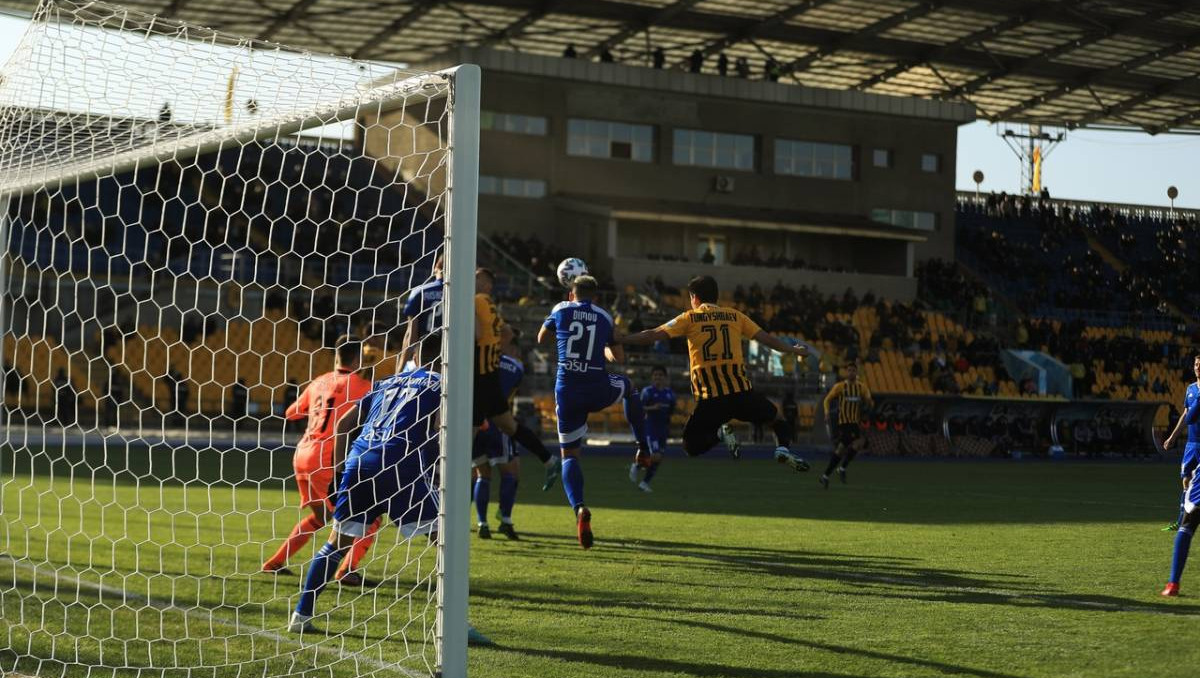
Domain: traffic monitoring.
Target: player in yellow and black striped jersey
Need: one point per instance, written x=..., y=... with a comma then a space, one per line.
x=718, y=370
x=853, y=399
x=490, y=402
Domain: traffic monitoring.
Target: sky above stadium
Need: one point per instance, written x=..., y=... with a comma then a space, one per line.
x=1127, y=167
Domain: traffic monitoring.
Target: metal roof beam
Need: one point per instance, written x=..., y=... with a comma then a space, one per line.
x=845, y=39
x=418, y=10
x=1086, y=19
x=753, y=30
x=282, y=20
x=1177, y=122
x=1140, y=98
x=1024, y=64
x=517, y=27
x=636, y=26
x=1087, y=80
x=1025, y=14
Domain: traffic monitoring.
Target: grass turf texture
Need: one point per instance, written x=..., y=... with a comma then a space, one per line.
x=730, y=569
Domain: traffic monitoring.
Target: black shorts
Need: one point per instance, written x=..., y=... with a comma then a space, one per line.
x=700, y=431
x=847, y=434
x=489, y=400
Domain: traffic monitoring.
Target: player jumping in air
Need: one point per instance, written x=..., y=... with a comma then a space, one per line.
x=585, y=338
x=491, y=404
x=658, y=400
x=852, y=395
x=1188, y=472
x=719, y=381
x=323, y=402
x=384, y=474
x=493, y=449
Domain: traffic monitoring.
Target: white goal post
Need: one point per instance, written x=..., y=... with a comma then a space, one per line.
x=190, y=222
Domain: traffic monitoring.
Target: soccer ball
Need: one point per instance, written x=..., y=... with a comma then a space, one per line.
x=570, y=269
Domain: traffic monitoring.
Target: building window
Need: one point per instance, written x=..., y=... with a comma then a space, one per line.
x=710, y=249
x=931, y=162
x=713, y=149
x=881, y=157
x=603, y=139
x=511, y=122
x=512, y=187
x=921, y=221
x=812, y=159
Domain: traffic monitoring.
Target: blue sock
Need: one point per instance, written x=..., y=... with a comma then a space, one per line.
x=323, y=566
x=636, y=416
x=508, y=494
x=650, y=472
x=483, y=488
x=572, y=481
x=1183, y=542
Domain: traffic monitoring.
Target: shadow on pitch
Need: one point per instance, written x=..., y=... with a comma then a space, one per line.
x=1039, y=599
x=717, y=562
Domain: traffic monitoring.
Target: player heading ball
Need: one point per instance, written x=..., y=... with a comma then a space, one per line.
x=718, y=370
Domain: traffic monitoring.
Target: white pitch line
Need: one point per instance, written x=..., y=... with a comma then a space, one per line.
x=200, y=613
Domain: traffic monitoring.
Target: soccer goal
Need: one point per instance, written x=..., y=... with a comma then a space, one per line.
x=190, y=220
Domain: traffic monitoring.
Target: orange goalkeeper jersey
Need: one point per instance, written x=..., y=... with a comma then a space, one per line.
x=324, y=401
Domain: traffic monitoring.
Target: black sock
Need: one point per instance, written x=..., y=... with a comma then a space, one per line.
x=526, y=438
x=849, y=457
x=783, y=432
x=833, y=462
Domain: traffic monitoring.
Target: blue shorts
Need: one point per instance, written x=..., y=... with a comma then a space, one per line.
x=574, y=402
x=657, y=437
x=493, y=447
x=400, y=491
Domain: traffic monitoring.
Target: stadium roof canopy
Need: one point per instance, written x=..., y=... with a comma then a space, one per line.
x=1097, y=63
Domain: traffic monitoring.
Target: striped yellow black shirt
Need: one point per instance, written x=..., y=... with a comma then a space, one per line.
x=850, y=396
x=487, y=337
x=714, y=336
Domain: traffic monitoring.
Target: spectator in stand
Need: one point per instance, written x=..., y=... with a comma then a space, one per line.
x=659, y=58
x=569, y=52
x=722, y=64
x=708, y=257
x=696, y=61
x=742, y=67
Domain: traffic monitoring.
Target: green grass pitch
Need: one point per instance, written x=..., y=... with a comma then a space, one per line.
x=990, y=570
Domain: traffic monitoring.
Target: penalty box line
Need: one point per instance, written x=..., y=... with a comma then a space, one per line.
x=203, y=614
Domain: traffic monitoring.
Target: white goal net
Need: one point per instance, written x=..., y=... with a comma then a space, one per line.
x=191, y=223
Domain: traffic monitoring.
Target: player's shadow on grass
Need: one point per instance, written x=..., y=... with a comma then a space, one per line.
x=786, y=565
x=648, y=611
x=1034, y=598
x=531, y=600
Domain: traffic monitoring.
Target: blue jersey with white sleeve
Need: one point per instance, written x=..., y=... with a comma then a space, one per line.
x=583, y=331
x=658, y=419
x=401, y=418
x=389, y=468
x=425, y=305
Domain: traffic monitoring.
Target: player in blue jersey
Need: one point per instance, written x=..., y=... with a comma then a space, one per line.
x=394, y=429
x=1191, y=450
x=493, y=450
x=658, y=401
x=424, y=312
x=585, y=341
x=1189, y=471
